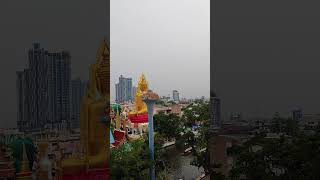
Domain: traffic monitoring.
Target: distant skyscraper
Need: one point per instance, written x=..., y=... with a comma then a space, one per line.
x=44, y=97
x=215, y=110
x=124, y=90
x=297, y=114
x=128, y=89
x=60, y=89
x=78, y=89
x=175, y=95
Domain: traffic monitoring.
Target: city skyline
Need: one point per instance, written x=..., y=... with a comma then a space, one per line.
x=134, y=84
x=47, y=97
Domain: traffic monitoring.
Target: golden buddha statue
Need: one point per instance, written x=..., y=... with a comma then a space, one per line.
x=140, y=106
x=94, y=133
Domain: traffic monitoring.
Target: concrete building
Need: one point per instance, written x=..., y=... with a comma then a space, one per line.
x=175, y=95
x=216, y=111
x=124, y=90
x=78, y=89
x=43, y=90
x=23, y=112
x=59, y=75
x=297, y=115
x=219, y=144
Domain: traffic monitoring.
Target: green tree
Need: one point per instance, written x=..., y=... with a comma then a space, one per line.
x=130, y=161
x=287, y=157
x=194, y=114
x=168, y=125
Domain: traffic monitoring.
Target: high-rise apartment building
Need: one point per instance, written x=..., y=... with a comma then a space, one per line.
x=215, y=104
x=124, y=90
x=217, y=111
x=23, y=113
x=297, y=114
x=175, y=95
x=78, y=90
x=59, y=74
x=44, y=92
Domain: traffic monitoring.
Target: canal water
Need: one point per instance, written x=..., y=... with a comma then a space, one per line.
x=180, y=166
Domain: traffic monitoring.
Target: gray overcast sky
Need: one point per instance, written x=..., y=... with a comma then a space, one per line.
x=266, y=55
x=74, y=25
x=168, y=40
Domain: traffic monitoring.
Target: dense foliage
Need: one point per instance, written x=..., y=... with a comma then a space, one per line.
x=189, y=130
x=130, y=161
x=294, y=155
x=168, y=125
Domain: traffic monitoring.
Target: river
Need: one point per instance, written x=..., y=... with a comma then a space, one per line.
x=181, y=168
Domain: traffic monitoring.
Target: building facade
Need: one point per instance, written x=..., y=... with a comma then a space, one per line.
x=59, y=75
x=78, y=90
x=297, y=115
x=124, y=90
x=175, y=95
x=216, y=111
x=23, y=113
x=43, y=89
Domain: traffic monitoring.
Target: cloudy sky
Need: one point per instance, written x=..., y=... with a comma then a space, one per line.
x=168, y=40
x=266, y=56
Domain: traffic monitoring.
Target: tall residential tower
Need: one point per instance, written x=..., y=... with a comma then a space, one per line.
x=175, y=95
x=78, y=90
x=124, y=90
x=44, y=90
